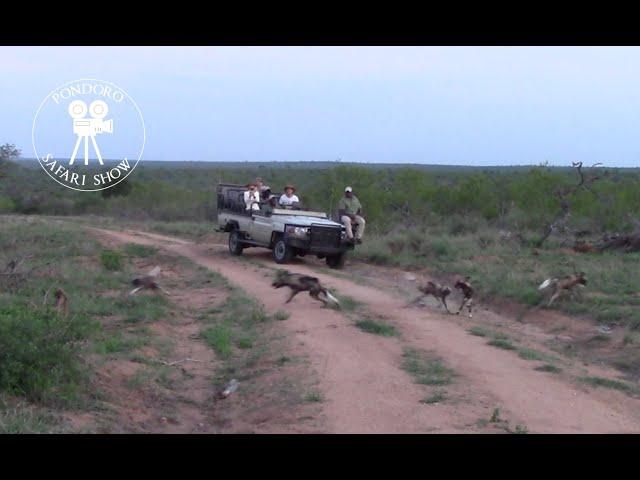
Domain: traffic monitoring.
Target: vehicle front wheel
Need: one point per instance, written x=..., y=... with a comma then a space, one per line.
x=235, y=245
x=336, y=261
x=282, y=253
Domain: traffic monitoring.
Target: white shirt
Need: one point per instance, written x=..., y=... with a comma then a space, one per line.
x=250, y=197
x=284, y=200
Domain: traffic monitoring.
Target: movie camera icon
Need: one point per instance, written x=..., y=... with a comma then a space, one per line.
x=88, y=128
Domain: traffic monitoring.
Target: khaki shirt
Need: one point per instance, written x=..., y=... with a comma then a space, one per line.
x=350, y=205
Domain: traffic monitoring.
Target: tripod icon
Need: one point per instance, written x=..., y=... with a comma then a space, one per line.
x=87, y=129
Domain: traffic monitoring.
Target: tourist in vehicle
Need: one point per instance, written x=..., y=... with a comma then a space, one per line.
x=288, y=198
x=263, y=190
x=251, y=196
x=350, y=210
x=270, y=205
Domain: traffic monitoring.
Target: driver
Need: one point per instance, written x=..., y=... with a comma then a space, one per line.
x=288, y=198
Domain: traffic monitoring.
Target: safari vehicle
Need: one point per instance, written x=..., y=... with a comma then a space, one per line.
x=286, y=231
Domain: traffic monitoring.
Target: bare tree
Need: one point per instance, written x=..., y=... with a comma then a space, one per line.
x=559, y=223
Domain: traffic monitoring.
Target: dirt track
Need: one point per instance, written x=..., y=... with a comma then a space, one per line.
x=367, y=391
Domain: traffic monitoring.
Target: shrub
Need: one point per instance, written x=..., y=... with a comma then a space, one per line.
x=111, y=260
x=38, y=353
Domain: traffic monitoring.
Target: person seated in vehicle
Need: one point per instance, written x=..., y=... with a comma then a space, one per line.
x=350, y=210
x=288, y=198
x=263, y=190
x=270, y=205
x=251, y=196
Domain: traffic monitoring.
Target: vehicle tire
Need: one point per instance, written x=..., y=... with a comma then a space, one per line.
x=336, y=261
x=235, y=245
x=282, y=253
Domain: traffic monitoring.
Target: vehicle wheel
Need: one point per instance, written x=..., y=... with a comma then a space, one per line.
x=336, y=261
x=282, y=253
x=235, y=245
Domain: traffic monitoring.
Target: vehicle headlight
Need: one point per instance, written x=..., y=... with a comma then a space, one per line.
x=300, y=232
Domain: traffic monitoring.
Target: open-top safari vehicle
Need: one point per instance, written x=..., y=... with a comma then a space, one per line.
x=286, y=231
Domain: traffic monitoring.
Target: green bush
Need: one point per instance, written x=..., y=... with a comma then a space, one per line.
x=38, y=353
x=111, y=260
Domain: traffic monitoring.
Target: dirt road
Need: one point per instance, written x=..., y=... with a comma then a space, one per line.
x=361, y=376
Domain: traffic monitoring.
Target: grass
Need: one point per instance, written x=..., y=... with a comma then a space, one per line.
x=112, y=260
x=138, y=250
x=436, y=397
x=426, y=369
x=548, y=368
x=520, y=429
x=282, y=360
x=608, y=383
x=495, y=416
x=19, y=417
x=313, y=397
x=347, y=304
x=531, y=354
x=219, y=338
x=38, y=353
x=501, y=343
x=511, y=270
x=117, y=342
x=42, y=352
x=281, y=315
x=479, y=331
x=376, y=327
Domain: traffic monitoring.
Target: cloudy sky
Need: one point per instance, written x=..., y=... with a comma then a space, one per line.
x=436, y=105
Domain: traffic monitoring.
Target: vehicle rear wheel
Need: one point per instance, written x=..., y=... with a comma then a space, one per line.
x=282, y=253
x=235, y=245
x=336, y=261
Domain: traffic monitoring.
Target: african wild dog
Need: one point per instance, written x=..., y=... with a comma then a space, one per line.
x=440, y=292
x=561, y=286
x=467, y=291
x=302, y=283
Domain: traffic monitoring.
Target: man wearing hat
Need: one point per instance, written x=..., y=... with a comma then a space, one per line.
x=288, y=198
x=350, y=210
x=252, y=195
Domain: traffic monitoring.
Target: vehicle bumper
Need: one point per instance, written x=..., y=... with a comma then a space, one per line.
x=307, y=247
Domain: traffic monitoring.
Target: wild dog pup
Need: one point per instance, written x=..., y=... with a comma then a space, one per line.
x=302, y=283
x=438, y=291
x=467, y=291
x=562, y=286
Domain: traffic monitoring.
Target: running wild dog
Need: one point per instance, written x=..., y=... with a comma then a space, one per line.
x=303, y=283
x=440, y=292
x=147, y=281
x=467, y=291
x=562, y=286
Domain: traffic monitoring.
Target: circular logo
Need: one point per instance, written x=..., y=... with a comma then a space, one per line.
x=88, y=135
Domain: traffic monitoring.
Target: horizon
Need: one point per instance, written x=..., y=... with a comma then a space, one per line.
x=441, y=106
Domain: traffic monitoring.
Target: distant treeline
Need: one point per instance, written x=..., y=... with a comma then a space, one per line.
x=519, y=198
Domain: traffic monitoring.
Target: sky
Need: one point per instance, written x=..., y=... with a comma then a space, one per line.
x=429, y=105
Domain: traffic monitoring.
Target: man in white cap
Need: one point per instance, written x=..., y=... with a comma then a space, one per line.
x=350, y=210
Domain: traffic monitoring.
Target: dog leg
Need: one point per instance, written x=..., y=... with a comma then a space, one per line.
x=469, y=306
x=464, y=301
x=554, y=297
x=414, y=302
x=315, y=294
x=293, y=294
x=444, y=302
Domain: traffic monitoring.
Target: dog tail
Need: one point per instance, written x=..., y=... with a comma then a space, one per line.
x=545, y=284
x=331, y=297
